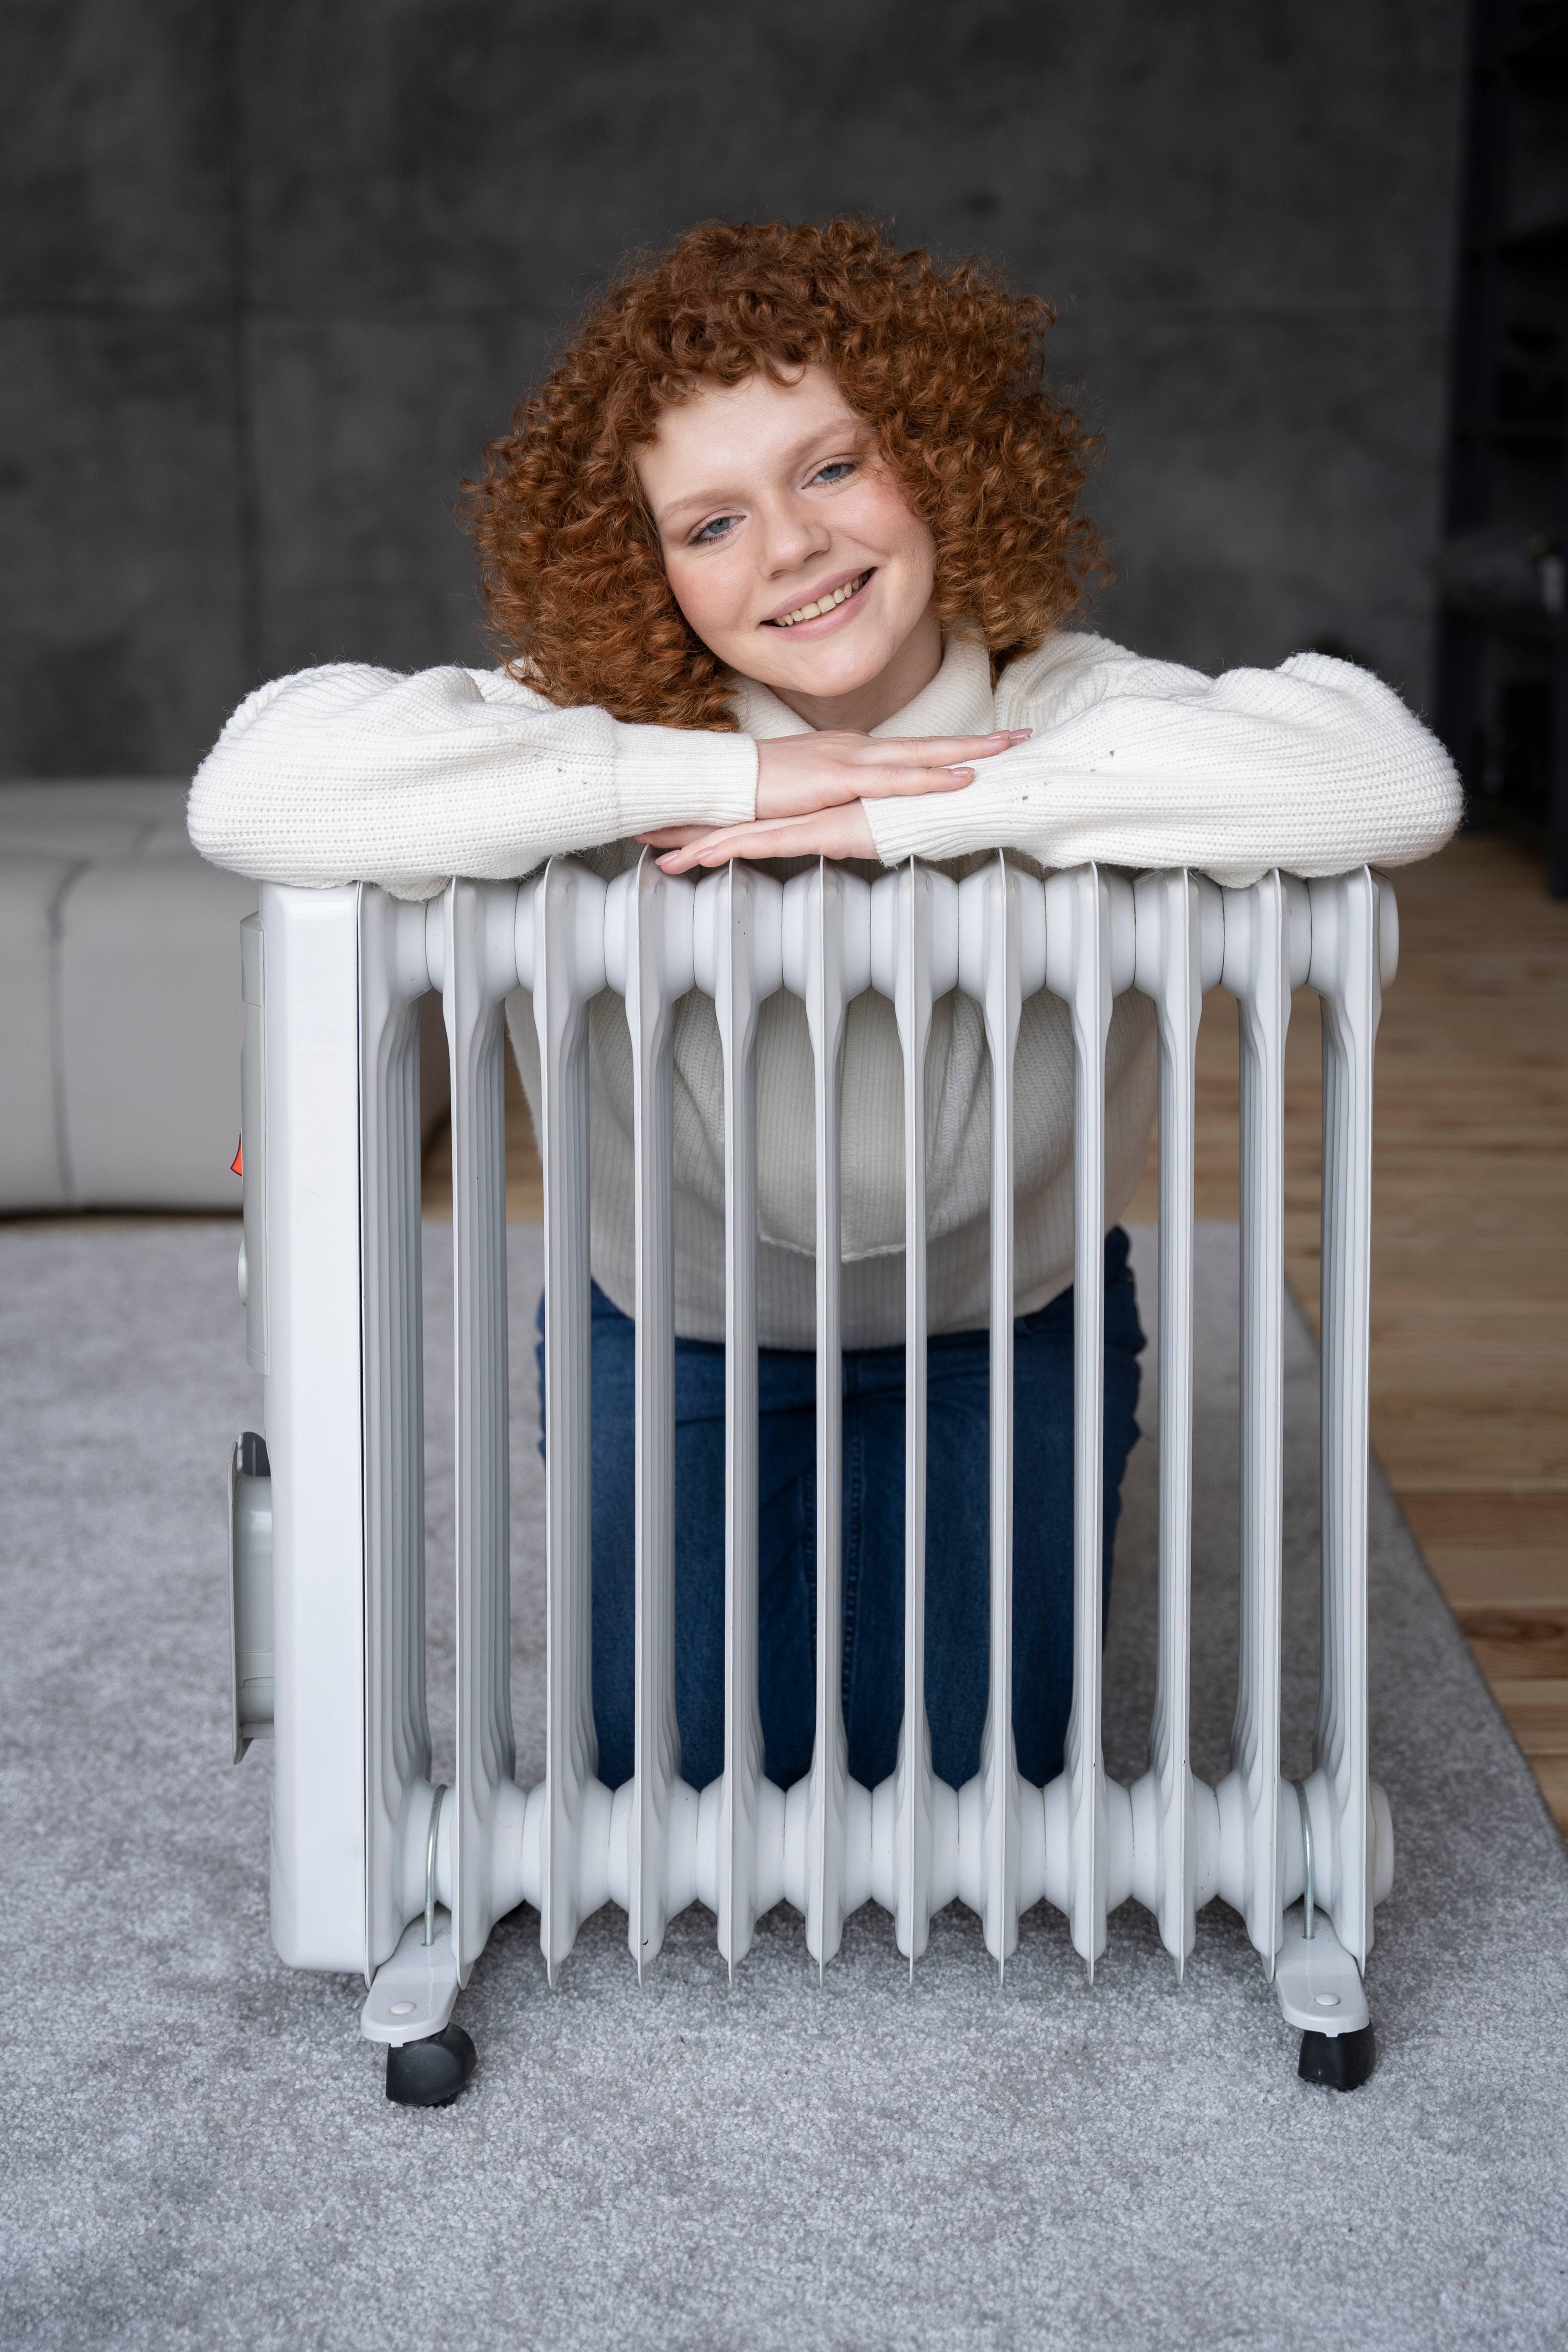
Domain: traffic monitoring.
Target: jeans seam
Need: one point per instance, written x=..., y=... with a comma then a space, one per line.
x=809, y=1545
x=850, y=1578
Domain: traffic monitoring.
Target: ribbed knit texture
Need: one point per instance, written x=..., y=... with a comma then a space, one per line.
x=355, y=773
x=1315, y=767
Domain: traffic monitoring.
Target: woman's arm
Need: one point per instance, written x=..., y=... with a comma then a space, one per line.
x=350, y=773
x=1313, y=767
x=354, y=775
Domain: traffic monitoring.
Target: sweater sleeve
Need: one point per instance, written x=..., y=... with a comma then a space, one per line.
x=348, y=774
x=1315, y=767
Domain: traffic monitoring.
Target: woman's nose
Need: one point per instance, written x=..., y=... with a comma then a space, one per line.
x=795, y=536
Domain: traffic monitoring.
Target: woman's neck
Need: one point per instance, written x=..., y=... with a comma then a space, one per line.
x=909, y=673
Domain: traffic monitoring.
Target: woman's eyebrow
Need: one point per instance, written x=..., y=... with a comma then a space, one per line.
x=696, y=502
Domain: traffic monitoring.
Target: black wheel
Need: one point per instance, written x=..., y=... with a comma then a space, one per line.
x=1340, y=2062
x=431, y=2072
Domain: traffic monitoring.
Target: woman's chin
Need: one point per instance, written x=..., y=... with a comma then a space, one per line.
x=823, y=672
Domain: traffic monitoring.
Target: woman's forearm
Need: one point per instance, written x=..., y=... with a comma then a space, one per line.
x=1313, y=767
x=350, y=773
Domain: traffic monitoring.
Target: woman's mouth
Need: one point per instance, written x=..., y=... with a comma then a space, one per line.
x=821, y=605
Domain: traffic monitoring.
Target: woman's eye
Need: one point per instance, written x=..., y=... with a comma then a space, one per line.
x=834, y=469
x=719, y=528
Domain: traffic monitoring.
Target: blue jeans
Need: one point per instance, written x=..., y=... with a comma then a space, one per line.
x=958, y=1513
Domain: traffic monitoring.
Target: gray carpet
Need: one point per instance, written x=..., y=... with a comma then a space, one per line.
x=198, y=2151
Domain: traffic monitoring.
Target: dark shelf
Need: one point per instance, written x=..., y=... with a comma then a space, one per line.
x=1521, y=627
x=1509, y=432
x=1543, y=245
x=1503, y=669
x=1540, y=56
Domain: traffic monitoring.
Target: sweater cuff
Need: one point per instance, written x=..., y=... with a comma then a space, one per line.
x=665, y=775
x=949, y=824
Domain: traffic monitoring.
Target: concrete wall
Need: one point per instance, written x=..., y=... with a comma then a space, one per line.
x=269, y=275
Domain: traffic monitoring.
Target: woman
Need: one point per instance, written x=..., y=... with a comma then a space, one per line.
x=777, y=562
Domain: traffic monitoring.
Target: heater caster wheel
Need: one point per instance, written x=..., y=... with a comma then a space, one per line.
x=1340, y=2062
x=431, y=2072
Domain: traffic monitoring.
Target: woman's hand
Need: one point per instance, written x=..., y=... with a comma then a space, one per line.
x=798, y=773
x=810, y=788
x=841, y=831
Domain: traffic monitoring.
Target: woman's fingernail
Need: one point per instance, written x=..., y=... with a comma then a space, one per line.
x=1020, y=734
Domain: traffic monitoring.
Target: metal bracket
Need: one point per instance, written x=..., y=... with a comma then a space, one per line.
x=414, y=1992
x=1318, y=1984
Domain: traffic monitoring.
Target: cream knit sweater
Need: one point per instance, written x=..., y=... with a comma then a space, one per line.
x=352, y=773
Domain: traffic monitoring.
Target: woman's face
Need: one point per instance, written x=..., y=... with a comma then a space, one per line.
x=789, y=546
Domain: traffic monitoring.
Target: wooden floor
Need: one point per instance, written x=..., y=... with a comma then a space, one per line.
x=1469, y=1347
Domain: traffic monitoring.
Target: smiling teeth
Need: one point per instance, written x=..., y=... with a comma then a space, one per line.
x=823, y=604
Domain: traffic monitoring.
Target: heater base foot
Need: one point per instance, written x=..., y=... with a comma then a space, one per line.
x=431, y=2072
x=1340, y=2062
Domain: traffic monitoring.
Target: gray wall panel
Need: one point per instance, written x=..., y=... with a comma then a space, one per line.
x=486, y=154
x=116, y=153
x=377, y=218
x=1270, y=483
x=363, y=429
x=120, y=593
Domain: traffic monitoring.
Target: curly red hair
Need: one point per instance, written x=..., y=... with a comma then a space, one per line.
x=945, y=365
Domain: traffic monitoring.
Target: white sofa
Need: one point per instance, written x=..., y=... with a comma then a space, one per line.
x=120, y=1006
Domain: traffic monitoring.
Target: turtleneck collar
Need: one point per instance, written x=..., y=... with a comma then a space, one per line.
x=959, y=700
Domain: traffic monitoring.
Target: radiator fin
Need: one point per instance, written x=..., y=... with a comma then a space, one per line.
x=479, y=920
x=1346, y=969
